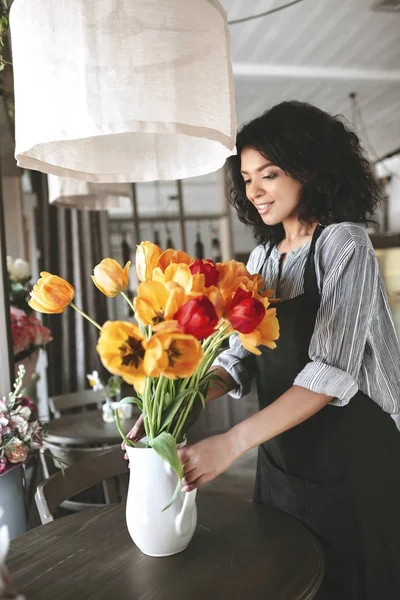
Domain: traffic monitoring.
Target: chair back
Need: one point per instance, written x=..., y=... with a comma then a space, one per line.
x=77, y=478
x=60, y=405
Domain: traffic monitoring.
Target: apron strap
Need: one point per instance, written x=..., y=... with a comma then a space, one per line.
x=310, y=277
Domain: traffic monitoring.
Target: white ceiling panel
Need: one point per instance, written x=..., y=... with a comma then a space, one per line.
x=320, y=51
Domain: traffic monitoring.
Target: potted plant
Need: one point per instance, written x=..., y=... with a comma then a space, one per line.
x=20, y=440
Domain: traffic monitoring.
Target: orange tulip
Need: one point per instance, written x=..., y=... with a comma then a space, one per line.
x=173, y=256
x=121, y=348
x=110, y=278
x=147, y=255
x=264, y=334
x=51, y=294
x=233, y=275
x=156, y=302
x=172, y=354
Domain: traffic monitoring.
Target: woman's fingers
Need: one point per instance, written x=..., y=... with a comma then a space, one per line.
x=193, y=485
x=137, y=431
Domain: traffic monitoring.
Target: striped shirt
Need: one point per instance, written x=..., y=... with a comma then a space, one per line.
x=354, y=344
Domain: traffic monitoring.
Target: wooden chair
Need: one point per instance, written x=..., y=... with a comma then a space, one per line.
x=81, y=476
x=63, y=457
x=60, y=405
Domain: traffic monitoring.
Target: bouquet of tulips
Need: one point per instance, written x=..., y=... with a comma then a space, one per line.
x=184, y=310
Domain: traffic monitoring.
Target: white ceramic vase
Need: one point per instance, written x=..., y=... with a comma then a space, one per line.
x=151, y=485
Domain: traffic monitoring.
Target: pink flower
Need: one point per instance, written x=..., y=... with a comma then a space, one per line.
x=16, y=451
x=36, y=437
x=29, y=403
x=27, y=331
x=4, y=425
x=3, y=464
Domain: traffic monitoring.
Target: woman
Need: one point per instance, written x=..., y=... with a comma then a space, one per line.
x=329, y=451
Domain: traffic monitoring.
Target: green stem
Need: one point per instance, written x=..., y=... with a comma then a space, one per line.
x=148, y=410
x=85, y=315
x=183, y=416
x=158, y=402
x=128, y=301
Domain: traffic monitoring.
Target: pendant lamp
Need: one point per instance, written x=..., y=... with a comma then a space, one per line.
x=122, y=90
x=73, y=193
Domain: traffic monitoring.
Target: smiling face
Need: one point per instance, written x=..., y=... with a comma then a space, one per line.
x=275, y=195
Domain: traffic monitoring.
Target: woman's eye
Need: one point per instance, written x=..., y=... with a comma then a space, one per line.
x=247, y=181
x=272, y=176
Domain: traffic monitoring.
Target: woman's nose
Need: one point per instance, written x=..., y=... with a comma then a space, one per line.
x=254, y=191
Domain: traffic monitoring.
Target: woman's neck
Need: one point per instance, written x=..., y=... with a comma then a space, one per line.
x=296, y=234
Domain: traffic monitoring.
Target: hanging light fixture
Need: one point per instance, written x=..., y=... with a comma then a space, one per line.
x=74, y=193
x=122, y=90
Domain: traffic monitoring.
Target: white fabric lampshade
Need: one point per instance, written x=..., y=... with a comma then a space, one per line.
x=122, y=90
x=75, y=193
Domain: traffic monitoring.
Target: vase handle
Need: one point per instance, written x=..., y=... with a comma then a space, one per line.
x=183, y=521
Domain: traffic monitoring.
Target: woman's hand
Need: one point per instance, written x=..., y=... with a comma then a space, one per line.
x=136, y=434
x=207, y=459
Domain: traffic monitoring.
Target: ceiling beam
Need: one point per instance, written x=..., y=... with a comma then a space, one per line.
x=308, y=72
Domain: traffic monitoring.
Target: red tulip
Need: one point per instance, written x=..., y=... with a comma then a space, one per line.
x=245, y=312
x=197, y=317
x=207, y=268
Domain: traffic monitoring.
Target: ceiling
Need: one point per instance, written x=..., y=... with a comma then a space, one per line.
x=320, y=51
x=317, y=51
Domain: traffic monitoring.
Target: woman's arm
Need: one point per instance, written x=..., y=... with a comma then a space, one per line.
x=207, y=459
x=219, y=388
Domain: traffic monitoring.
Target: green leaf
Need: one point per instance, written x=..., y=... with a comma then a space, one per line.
x=167, y=399
x=127, y=441
x=132, y=400
x=175, y=495
x=165, y=446
x=170, y=414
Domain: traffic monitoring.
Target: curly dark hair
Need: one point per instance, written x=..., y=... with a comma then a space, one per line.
x=319, y=151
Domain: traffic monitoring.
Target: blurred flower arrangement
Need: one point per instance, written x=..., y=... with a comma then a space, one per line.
x=112, y=396
x=112, y=388
x=185, y=309
x=28, y=333
x=20, y=429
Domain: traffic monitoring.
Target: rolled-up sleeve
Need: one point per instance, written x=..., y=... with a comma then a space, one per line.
x=350, y=279
x=239, y=363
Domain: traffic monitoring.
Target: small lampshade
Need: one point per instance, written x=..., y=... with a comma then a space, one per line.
x=75, y=193
x=122, y=90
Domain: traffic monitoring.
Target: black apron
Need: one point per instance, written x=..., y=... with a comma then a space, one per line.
x=338, y=472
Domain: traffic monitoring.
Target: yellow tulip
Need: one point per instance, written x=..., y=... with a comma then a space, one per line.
x=172, y=354
x=171, y=256
x=156, y=302
x=177, y=273
x=51, y=294
x=110, y=278
x=121, y=348
x=265, y=333
x=147, y=255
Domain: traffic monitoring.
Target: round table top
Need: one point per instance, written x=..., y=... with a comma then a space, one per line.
x=85, y=428
x=239, y=550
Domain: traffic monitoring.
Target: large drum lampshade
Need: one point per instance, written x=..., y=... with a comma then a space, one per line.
x=85, y=195
x=122, y=90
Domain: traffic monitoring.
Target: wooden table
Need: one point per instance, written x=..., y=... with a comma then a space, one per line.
x=84, y=429
x=239, y=550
